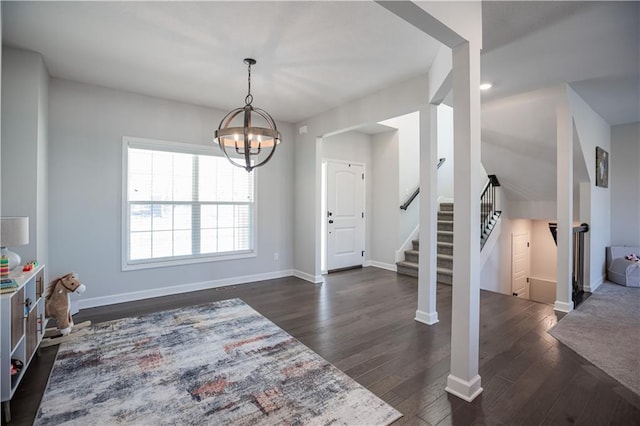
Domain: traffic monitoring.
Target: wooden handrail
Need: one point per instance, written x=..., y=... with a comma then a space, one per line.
x=417, y=191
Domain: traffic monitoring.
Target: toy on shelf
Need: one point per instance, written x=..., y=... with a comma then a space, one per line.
x=29, y=266
x=4, y=266
x=57, y=306
x=16, y=366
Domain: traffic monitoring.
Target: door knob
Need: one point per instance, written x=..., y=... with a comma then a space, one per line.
x=330, y=220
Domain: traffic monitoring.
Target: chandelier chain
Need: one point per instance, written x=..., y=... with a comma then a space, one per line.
x=249, y=98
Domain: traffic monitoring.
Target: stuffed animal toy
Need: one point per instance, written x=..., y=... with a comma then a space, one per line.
x=57, y=302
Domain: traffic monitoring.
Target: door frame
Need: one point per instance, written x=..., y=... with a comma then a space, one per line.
x=324, y=247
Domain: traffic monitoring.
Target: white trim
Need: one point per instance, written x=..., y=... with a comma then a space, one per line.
x=177, y=289
x=563, y=306
x=466, y=390
x=593, y=287
x=491, y=242
x=317, y=279
x=381, y=265
x=408, y=243
x=428, y=318
x=187, y=260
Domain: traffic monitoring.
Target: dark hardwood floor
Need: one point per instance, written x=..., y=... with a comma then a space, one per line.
x=362, y=322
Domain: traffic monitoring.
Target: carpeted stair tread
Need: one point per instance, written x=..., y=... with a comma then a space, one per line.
x=411, y=256
x=407, y=264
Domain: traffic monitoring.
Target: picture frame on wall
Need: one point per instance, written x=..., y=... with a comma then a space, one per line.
x=602, y=168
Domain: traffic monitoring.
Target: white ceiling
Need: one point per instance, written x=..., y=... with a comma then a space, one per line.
x=313, y=56
x=594, y=46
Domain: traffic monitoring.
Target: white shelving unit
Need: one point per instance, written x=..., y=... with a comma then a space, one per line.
x=22, y=322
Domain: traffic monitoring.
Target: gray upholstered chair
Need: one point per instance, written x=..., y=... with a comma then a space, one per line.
x=620, y=270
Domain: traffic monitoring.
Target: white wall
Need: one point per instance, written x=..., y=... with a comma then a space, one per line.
x=445, y=150
x=87, y=124
x=1, y=54
x=593, y=131
x=42, y=168
x=385, y=208
x=403, y=98
x=543, y=252
x=408, y=168
x=354, y=147
x=496, y=272
x=624, y=183
x=544, y=263
x=24, y=146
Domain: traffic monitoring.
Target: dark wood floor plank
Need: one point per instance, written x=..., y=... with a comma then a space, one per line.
x=625, y=415
x=572, y=400
x=363, y=322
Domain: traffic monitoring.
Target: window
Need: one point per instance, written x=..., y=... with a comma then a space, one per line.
x=183, y=204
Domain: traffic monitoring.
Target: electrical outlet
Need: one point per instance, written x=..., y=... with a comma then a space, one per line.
x=276, y=256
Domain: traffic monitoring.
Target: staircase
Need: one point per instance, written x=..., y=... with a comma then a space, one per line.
x=488, y=219
x=445, y=244
x=409, y=266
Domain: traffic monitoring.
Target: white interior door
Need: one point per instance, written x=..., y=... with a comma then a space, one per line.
x=520, y=265
x=345, y=215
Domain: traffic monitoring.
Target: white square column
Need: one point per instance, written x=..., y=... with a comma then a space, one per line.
x=426, y=312
x=464, y=380
x=564, y=205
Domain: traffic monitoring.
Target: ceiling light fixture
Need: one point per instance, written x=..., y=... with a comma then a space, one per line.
x=486, y=86
x=244, y=144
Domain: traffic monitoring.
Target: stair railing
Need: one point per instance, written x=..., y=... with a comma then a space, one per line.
x=577, y=271
x=417, y=191
x=577, y=292
x=488, y=209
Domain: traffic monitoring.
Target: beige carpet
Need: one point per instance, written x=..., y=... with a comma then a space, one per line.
x=605, y=330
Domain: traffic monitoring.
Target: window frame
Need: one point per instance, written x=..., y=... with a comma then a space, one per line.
x=183, y=148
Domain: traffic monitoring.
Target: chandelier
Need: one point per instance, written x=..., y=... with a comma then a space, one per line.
x=243, y=143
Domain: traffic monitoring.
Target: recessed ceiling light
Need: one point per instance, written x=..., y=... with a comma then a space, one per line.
x=486, y=86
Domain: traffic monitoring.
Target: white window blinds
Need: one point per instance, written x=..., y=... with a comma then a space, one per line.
x=184, y=203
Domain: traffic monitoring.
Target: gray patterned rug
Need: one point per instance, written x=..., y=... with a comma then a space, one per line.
x=605, y=330
x=221, y=363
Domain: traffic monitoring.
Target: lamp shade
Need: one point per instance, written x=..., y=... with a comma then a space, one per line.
x=14, y=231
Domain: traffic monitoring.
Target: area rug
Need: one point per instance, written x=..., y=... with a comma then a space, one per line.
x=605, y=330
x=221, y=363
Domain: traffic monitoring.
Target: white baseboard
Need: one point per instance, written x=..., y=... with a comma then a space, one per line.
x=315, y=279
x=563, y=306
x=381, y=265
x=428, y=318
x=467, y=390
x=185, y=288
x=593, y=287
